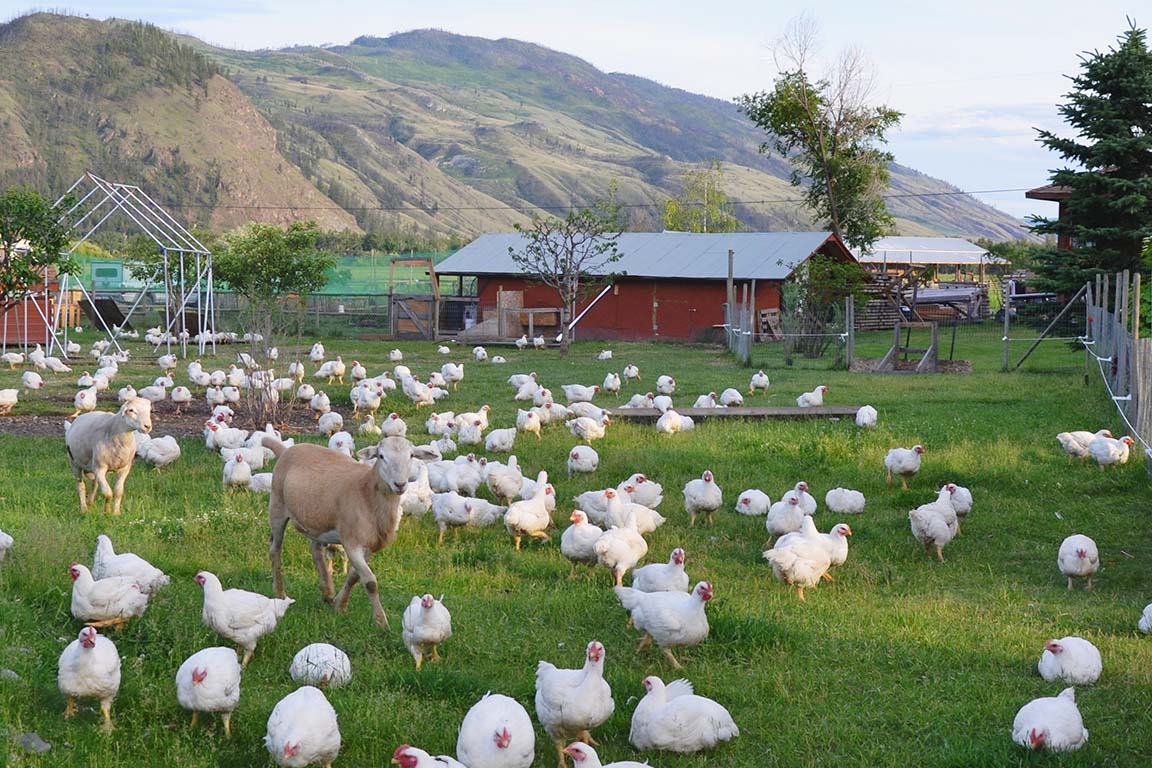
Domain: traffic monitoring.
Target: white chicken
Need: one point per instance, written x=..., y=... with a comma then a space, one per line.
x=470, y=433
x=496, y=733
x=181, y=396
x=261, y=482
x=617, y=511
x=240, y=616
x=107, y=564
x=571, y=702
x=671, y=619
x=8, y=399
x=903, y=462
x=702, y=495
x=1108, y=451
x=158, y=451
x=669, y=423
x=643, y=490
x=333, y=370
x=844, y=501
x=673, y=718
x=961, y=500
x=538, y=342
x=56, y=365
x=1075, y=444
x=321, y=665
x=1078, y=557
x=479, y=354
x=753, y=502
x=518, y=380
x=237, y=472
x=807, y=501
x=665, y=385
x=302, y=730
x=416, y=500
x=731, y=397
x=588, y=429
x=1144, y=624
x=85, y=402
x=663, y=577
x=631, y=372
x=578, y=393
x=450, y=509
x=800, y=559
x=500, y=440
x=706, y=401
x=528, y=421
x=209, y=681
x=813, y=399
x=522, y=342
x=1050, y=722
x=453, y=374
x=620, y=547
x=316, y=355
x=369, y=428
x=6, y=542
x=13, y=359
x=89, y=668
x=935, y=524
x=407, y=756
x=866, y=417
x=320, y=404
x=1071, y=660
x=785, y=516
x=530, y=517
x=427, y=624
x=330, y=423
x=582, y=459
x=31, y=380
x=584, y=756
x=111, y=601
x=611, y=382
x=578, y=542
x=835, y=542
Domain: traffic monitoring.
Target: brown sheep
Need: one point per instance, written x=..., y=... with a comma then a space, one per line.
x=332, y=499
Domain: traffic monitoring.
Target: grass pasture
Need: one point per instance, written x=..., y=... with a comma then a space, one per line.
x=902, y=661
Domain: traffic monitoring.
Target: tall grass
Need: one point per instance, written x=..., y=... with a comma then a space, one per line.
x=902, y=661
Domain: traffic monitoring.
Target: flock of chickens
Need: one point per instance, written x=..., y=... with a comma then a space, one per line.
x=607, y=530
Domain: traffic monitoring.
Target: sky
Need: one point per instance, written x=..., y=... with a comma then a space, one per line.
x=973, y=78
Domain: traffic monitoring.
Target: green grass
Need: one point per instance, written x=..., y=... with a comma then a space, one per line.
x=902, y=661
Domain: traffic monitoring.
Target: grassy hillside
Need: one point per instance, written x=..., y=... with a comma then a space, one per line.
x=901, y=661
x=430, y=131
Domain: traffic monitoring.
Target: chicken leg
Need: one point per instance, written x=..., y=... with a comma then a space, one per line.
x=1089, y=587
x=106, y=710
x=644, y=642
x=1069, y=583
x=248, y=653
x=671, y=658
x=586, y=737
x=940, y=553
x=800, y=593
x=70, y=710
x=195, y=718
x=826, y=576
x=226, y=718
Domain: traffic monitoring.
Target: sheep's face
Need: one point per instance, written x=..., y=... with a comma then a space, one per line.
x=138, y=413
x=394, y=459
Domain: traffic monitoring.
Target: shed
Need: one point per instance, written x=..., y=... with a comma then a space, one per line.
x=669, y=285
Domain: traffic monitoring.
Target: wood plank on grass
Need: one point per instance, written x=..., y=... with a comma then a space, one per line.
x=743, y=412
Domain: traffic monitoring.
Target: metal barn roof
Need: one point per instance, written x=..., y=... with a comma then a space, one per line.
x=674, y=255
x=925, y=250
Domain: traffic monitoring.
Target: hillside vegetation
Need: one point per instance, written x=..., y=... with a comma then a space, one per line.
x=426, y=131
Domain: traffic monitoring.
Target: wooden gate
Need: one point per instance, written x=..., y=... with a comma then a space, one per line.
x=412, y=317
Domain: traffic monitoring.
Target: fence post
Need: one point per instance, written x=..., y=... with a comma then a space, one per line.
x=1089, y=331
x=850, y=321
x=1007, y=320
x=1136, y=308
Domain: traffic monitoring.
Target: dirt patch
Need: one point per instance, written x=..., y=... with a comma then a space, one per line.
x=165, y=421
x=868, y=365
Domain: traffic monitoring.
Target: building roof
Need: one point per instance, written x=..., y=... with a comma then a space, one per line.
x=925, y=250
x=673, y=255
x=1056, y=192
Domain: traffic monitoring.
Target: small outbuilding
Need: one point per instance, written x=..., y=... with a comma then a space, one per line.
x=667, y=285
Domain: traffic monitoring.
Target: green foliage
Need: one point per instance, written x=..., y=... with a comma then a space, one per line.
x=565, y=254
x=26, y=216
x=175, y=63
x=813, y=303
x=1020, y=254
x=1109, y=213
x=832, y=142
x=263, y=262
x=703, y=206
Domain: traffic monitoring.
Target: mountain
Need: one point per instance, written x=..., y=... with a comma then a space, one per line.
x=427, y=132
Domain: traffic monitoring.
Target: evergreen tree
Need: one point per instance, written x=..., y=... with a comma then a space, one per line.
x=1109, y=212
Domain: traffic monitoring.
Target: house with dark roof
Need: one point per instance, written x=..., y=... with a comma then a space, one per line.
x=666, y=285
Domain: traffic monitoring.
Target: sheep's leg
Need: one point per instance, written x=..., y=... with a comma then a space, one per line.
x=277, y=520
x=357, y=558
x=83, y=492
x=324, y=568
x=118, y=489
x=101, y=474
x=341, y=603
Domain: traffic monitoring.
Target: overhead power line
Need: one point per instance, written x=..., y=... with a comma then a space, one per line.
x=442, y=209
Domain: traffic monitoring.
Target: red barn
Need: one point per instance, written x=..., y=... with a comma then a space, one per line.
x=671, y=285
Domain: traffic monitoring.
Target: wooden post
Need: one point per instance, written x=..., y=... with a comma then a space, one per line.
x=731, y=286
x=1089, y=298
x=1136, y=308
x=1122, y=340
x=850, y=328
x=1007, y=306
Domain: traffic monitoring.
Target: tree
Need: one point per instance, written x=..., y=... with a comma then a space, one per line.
x=813, y=303
x=28, y=220
x=703, y=205
x=828, y=131
x=273, y=270
x=1108, y=214
x=565, y=254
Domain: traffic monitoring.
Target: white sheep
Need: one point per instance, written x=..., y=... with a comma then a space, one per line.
x=100, y=442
